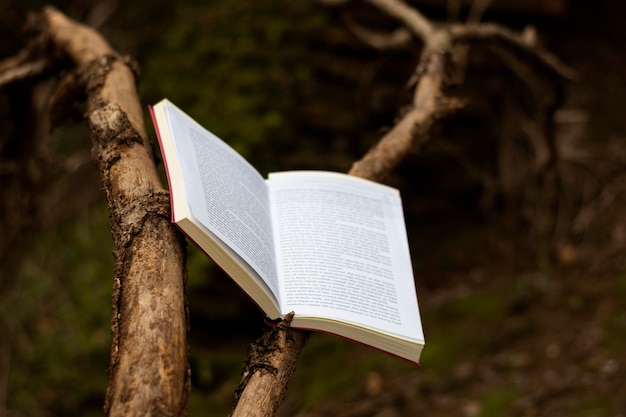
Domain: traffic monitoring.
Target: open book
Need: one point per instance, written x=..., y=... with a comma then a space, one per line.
x=330, y=247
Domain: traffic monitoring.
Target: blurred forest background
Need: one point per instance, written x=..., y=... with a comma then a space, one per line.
x=521, y=277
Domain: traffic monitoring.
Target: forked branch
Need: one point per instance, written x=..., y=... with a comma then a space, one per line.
x=430, y=105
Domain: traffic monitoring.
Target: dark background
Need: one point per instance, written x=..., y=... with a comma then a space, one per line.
x=521, y=285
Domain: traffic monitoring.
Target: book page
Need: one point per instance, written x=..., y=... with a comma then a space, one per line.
x=226, y=194
x=342, y=251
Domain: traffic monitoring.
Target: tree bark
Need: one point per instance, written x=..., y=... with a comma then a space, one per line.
x=271, y=362
x=149, y=370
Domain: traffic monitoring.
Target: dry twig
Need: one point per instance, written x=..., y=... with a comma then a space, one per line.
x=14, y=70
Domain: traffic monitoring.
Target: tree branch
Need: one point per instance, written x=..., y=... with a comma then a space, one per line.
x=429, y=104
x=271, y=362
x=16, y=69
x=149, y=371
x=486, y=32
x=412, y=18
x=399, y=38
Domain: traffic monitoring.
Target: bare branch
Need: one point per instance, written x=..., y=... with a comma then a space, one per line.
x=271, y=362
x=493, y=32
x=414, y=127
x=149, y=371
x=399, y=38
x=442, y=38
x=22, y=71
x=412, y=18
x=22, y=66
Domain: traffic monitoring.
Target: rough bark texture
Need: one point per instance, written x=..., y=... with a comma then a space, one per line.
x=271, y=361
x=149, y=370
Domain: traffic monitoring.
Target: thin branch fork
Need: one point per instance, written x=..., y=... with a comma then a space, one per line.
x=429, y=104
x=442, y=36
x=20, y=68
x=412, y=18
x=489, y=32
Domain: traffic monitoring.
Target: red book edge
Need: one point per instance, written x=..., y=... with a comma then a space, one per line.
x=167, y=171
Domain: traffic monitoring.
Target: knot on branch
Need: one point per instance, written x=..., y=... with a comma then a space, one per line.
x=259, y=351
x=135, y=211
x=88, y=78
x=112, y=131
x=93, y=73
x=109, y=121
